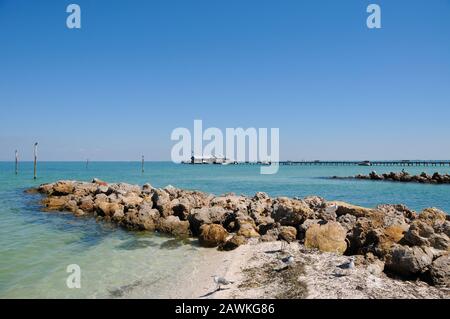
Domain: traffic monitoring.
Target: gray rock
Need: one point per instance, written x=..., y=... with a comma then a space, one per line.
x=409, y=261
x=206, y=215
x=440, y=271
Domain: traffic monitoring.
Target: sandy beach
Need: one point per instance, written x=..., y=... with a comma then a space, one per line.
x=314, y=275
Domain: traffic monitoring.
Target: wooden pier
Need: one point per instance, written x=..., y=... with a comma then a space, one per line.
x=356, y=163
x=369, y=163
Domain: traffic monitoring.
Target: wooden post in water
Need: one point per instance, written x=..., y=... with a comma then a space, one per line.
x=35, y=160
x=142, y=164
x=87, y=163
x=17, y=162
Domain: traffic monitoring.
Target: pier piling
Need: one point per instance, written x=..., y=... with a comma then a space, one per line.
x=35, y=160
x=17, y=162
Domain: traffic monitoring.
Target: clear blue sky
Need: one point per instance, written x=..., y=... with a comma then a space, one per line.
x=138, y=69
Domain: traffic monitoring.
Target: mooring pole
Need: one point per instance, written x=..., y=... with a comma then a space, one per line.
x=35, y=159
x=87, y=163
x=17, y=162
x=142, y=166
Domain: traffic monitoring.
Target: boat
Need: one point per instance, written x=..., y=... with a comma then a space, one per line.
x=365, y=163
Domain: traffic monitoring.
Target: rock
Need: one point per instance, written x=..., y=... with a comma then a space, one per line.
x=63, y=188
x=84, y=189
x=440, y=242
x=315, y=202
x=409, y=261
x=328, y=238
x=55, y=203
x=71, y=206
x=306, y=224
x=87, y=204
x=233, y=243
x=345, y=208
x=212, y=235
x=440, y=271
x=126, y=189
x=247, y=230
x=147, y=188
x=418, y=234
x=206, y=215
x=397, y=209
x=442, y=228
x=432, y=216
x=347, y=221
x=162, y=202
x=287, y=233
x=386, y=238
x=173, y=225
x=79, y=213
x=291, y=212
x=109, y=209
x=232, y=203
x=181, y=207
x=45, y=189
x=145, y=218
x=260, y=209
x=131, y=199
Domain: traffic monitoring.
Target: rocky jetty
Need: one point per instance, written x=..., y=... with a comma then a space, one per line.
x=393, y=238
x=405, y=177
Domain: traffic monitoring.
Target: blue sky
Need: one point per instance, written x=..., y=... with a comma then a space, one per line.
x=138, y=69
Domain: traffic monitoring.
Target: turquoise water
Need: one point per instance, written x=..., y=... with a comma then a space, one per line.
x=36, y=247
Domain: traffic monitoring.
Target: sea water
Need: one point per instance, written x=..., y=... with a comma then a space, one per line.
x=36, y=247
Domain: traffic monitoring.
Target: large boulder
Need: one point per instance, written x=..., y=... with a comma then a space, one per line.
x=397, y=209
x=45, y=188
x=109, y=209
x=181, y=207
x=409, y=261
x=232, y=203
x=162, y=202
x=206, y=215
x=247, y=230
x=63, y=188
x=288, y=233
x=84, y=189
x=174, y=226
x=55, y=203
x=343, y=208
x=87, y=204
x=146, y=218
x=291, y=212
x=131, y=199
x=233, y=243
x=260, y=209
x=440, y=271
x=385, y=238
x=328, y=238
x=212, y=235
x=418, y=234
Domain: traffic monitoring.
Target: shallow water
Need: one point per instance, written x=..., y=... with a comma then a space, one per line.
x=36, y=247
